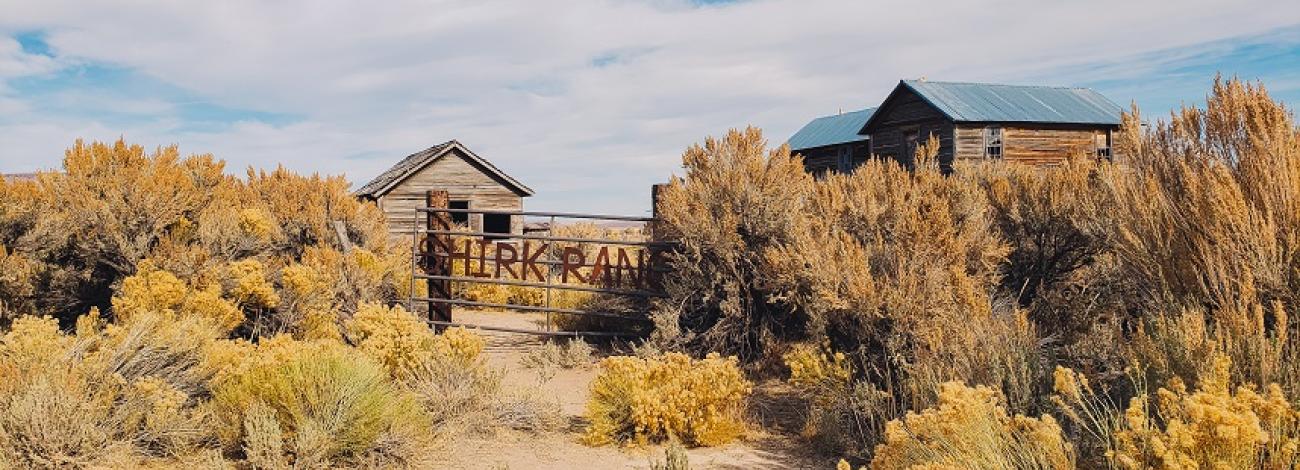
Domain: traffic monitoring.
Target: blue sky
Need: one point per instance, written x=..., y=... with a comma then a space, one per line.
x=587, y=101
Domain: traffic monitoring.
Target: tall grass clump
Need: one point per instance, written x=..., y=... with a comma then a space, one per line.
x=319, y=403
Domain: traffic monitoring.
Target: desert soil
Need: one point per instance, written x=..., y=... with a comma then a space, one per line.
x=771, y=445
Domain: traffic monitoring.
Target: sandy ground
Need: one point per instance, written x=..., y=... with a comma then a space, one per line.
x=768, y=447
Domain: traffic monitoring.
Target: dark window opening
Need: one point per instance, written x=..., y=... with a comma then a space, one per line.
x=911, y=141
x=459, y=218
x=844, y=160
x=496, y=223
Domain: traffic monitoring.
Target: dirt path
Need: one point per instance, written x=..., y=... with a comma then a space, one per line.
x=569, y=387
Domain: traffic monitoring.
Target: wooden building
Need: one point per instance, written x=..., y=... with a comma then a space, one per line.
x=832, y=143
x=470, y=181
x=1030, y=124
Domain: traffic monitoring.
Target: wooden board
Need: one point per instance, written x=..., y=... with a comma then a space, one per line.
x=462, y=180
x=1030, y=144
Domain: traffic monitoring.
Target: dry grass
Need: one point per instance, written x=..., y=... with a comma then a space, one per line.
x=562, y=355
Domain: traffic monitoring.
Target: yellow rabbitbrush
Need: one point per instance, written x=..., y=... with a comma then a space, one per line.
x=969, y=429
x=699, y=402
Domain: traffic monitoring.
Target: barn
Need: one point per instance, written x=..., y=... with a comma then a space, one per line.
x=471, y=182
x=1039, y=125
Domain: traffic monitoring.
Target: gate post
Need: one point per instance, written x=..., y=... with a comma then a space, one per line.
x=657, y=235
x=437, y=259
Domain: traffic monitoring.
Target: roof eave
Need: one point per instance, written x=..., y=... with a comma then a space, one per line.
x=863, y=139
x=510, y=182
x=890, y=98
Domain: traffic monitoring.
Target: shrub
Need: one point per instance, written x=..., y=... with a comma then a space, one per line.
x=698, y=401
x=1212, y=427
x=391, y=336
x=445, y=372
x=457, y=395
x=1056, y=224
x=812, y=368
x=329, y=404
x=154, y=291
x=968, y=429
x=675, y=458
x=78, y=234
x=1260, y=340
x=17, y=285
x=754, y=199
x=85, y=400
x=1209, y=202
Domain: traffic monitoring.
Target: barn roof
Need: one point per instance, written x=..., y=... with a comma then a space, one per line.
x=415, y=162
x=831, y=130
x=986, y=102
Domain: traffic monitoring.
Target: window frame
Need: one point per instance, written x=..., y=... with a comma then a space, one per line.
x=1104, y=151
x=991, y=141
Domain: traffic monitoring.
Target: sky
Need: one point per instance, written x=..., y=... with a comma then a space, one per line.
x=588, y=102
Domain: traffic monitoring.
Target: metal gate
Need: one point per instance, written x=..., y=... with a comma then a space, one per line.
x=540, y=260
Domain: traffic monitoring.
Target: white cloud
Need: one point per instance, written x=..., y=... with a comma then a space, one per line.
x=587, y=101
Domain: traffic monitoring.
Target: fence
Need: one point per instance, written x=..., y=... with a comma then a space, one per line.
x=619, y=268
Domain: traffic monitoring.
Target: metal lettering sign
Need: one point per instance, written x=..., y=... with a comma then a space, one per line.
x=444, y=254
x=610, y=267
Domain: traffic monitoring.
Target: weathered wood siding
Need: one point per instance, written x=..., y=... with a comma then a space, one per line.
x=968, y=141
x=906, y=113
x=462, y=180
x=1031, y=144
x=824, y=160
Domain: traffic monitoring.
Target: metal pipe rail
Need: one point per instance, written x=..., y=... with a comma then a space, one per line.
x=571, y=334
x=511, y=282
x=599, y=241
x=534, y=308
x=545, y=262
x=562, y=215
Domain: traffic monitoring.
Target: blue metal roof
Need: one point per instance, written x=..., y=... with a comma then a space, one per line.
x=831, y=130
x=982, y=102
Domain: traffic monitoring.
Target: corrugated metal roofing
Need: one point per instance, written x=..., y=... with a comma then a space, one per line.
x=982, y=102
x=831, y=130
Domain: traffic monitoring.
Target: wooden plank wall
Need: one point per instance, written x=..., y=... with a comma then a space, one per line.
x=907, y=112
x=462, y=180
x=824, y=160
x=1034, y=145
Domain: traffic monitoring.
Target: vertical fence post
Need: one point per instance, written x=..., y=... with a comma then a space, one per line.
x=437, y=258
x=657, y=234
